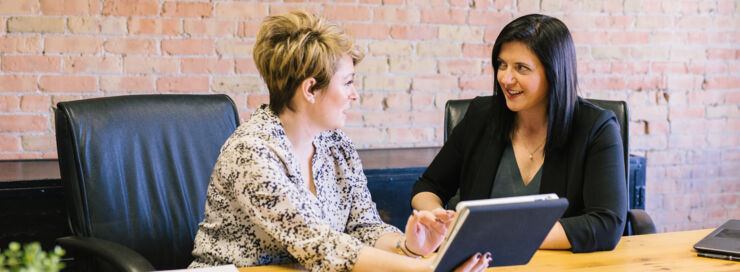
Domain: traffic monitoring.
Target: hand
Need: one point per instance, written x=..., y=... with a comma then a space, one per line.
x=476, y=263
x=446, y=216
x=424, y=233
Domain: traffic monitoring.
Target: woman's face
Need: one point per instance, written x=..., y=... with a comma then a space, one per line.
x=332, y=101
x=522, y=78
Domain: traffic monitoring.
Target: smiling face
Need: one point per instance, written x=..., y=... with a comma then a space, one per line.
x=332, y=101
x=522, y=78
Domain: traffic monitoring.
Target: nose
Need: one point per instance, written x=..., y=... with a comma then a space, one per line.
x=505, y=77
x=353, y=94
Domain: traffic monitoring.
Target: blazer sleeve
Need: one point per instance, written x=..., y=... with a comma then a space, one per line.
x=604, y=193
x=442, y=176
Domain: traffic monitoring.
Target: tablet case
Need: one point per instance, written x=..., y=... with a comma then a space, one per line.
x=724, y=241
x=511, y=232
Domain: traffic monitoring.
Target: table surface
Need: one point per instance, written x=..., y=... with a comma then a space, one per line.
x=671, y=251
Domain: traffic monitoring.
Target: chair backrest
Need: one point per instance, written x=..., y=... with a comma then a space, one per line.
x=455, y=111
x=135, y=168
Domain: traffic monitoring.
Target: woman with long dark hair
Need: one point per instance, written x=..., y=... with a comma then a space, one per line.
x=536, y=135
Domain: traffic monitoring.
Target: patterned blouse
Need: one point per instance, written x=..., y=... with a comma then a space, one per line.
x=259, y=210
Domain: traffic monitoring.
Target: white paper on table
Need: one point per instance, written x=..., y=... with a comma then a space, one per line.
x=220, y=268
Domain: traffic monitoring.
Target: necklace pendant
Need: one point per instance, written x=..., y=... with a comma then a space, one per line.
x=530, y=156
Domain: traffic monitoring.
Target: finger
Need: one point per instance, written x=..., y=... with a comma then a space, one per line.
x=482, y=264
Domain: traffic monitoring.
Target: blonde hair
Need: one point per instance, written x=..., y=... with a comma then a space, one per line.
x=295, y=46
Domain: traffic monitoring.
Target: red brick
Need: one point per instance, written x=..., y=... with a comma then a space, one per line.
x=188, y=47
x=491, y=33
x=410, y=135
x=365, y=135
x=17, y=83
x=67, y=84
x=9, y=143
x=410, y=32
x=707, y=38
x=246, y=66
x=633, y=37
x=397, y=101
x=79, y=45
x=443, y=16
x=43, y=142
x=434, y=83
x=694, y=22
x=647, y=82
x=127, y=84
x=23, y=123
x=150, y=65
x=675, y=67
x=456, y=67
x=394, y=14
x=31, y=63
x=20, y=44
x=248, y=29
x=367, y=31
x=154, y=26
x=371, y=101
x=90, y=64
x=387, y=118
x=130, y=7
x=130, y=46
x=24, y=7
x=720, y=83
x=720, y=53
x=427, y=117
x=207, y=66
x=9, y=103
x=347, y=13
x=70, y=7
x=686, y=112
x=604, y=83
x=478, y=83
x=187, y=9
x=422, y=100
x=35, y=103
x=196, y=28
x=183, y=84
x=477, y=50
x=489, y=18
x=245, y=11
x=278, y=8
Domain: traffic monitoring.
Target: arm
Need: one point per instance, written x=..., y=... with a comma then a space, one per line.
x=604, y=193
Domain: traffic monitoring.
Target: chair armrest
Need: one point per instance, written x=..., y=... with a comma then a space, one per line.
x=641, y=222
x=119, y=256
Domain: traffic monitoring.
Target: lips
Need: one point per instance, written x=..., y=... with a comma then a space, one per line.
x=511, y=93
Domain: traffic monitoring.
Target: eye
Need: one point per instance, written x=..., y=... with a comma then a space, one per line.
x=501, y=65
x=349, y=83
x=523, y=68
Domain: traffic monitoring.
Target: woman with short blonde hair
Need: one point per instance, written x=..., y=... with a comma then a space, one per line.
x=288, y=185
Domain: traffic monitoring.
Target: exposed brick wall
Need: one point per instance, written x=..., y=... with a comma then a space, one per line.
x=677, y=63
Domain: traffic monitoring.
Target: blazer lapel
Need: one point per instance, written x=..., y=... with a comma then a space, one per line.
x=554, y=172
x=487, y=159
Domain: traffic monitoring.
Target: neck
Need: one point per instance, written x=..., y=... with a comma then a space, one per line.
x=532, y=122
x=298, y=130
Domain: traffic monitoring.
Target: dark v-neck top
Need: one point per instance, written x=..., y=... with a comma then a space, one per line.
x=509, y=181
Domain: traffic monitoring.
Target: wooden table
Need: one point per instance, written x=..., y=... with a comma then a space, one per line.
x=672, y=251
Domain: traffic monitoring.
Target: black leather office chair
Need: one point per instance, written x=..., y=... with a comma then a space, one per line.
x=638, y=221
x=135, y=171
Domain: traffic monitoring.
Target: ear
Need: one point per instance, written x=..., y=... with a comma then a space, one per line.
x=306, y=89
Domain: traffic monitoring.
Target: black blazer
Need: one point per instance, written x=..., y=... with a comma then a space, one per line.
x=588, y=170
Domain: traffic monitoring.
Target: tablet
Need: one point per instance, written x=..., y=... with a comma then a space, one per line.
x=511, y=228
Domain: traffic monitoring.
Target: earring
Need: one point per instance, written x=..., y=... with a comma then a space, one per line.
x=310, y=99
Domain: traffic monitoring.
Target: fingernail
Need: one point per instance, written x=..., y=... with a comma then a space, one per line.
x=488, y=254
x=477, y=256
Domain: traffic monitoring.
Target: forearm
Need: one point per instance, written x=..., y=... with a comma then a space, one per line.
x=387, y=242
x=556, y=239
x=426, y=201
x=376, y=259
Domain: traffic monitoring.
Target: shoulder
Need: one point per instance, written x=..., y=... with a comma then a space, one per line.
x=589, y=117
x=338, y=144
x=260, y=136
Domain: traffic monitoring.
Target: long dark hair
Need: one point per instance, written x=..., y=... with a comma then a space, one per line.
x=550, y=40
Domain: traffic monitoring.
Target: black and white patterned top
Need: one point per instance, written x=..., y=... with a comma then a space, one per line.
x=260, y=211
